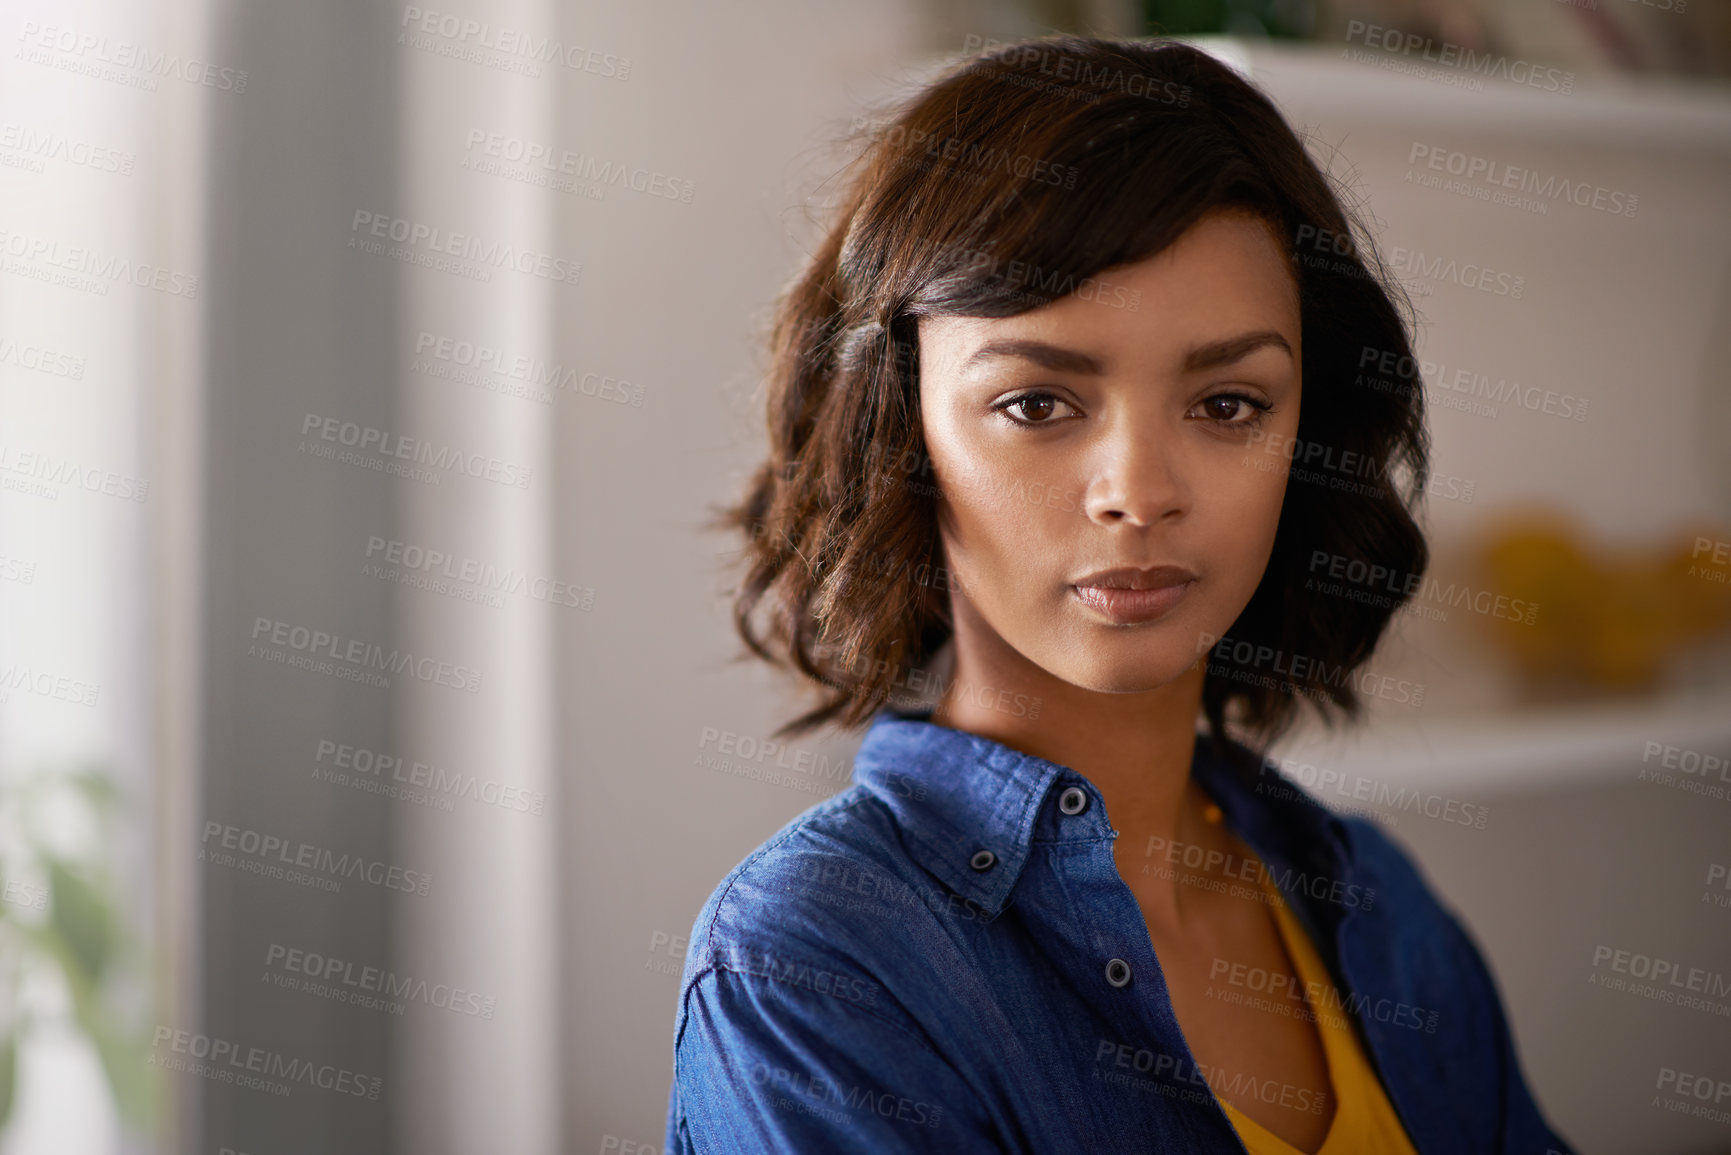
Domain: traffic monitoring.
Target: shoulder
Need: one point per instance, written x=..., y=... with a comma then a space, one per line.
x=820, y=910
x=1419, y=937
x=1417, y=947
x=793, y=1031
x=1374, y=851
x=796, y=889
x=1402, y=887
x=1405, y=935
x=1379, y=865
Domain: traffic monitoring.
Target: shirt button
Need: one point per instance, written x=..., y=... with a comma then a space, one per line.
x=1118, y=972
x=1073, y=801
x=982, y=860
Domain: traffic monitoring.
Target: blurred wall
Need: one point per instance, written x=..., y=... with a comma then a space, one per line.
x=293, y=328
x=742, y=103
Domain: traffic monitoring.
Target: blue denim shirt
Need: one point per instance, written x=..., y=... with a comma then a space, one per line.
x=868, y=981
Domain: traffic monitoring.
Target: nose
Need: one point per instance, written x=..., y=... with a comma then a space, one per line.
x=1137, y=479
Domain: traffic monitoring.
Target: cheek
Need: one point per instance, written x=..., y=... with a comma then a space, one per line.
x=1243, y=505
x=1004, y=529
x=1000, y=529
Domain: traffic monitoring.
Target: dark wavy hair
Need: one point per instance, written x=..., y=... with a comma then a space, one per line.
x=1014, y=178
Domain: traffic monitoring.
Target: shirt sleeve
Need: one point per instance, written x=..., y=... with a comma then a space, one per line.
x=765, y=1065
x=1524, y=1128
x=1519, y=1126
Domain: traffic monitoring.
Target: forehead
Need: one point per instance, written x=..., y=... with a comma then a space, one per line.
x=1228, y=274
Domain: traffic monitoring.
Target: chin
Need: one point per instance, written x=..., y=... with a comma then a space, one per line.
x=1128, y=673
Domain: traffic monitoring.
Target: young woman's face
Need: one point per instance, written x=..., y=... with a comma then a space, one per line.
x=1085, y=436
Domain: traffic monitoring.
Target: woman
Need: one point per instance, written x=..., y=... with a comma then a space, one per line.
x=1033, y=416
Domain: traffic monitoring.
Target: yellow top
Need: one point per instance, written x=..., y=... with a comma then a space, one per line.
x=1364, y=1120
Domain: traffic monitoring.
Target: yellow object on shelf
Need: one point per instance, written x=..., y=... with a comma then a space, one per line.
x=1611, y=619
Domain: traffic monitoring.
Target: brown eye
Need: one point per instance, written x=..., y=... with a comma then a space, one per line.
x=1034, y=408
x=1224, y=407
x=1235, y=408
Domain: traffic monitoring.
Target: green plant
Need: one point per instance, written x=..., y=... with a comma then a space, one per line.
x=1273, y=18
x=62, y=916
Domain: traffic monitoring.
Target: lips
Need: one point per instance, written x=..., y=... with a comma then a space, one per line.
x=1131, y=578
x=1129, y=595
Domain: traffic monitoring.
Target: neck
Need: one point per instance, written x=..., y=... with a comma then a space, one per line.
x=1136, y=748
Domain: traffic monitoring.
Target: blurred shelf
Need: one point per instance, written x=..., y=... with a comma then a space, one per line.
x=1660, y=111
x=1586, y=744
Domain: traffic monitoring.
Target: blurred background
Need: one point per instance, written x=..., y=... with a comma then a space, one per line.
x=371, y=726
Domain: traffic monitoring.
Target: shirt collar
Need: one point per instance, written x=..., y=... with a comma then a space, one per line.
x=956, y=793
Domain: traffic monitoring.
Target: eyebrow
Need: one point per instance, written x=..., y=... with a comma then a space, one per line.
x=1209, y=356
